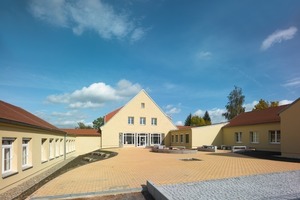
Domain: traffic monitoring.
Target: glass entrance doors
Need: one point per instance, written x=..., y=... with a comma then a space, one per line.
x=142, y=139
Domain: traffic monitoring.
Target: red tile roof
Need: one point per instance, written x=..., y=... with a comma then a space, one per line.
x=184, y=127
x=111, y=114
x=16, y=115
x=269, y=115
x=82, y=132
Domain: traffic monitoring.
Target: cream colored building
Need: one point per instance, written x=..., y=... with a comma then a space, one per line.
x=257, y=129
x=139, y=123
x=193, y=137
x=30, y=146
x=290, y=128
x=87, y=140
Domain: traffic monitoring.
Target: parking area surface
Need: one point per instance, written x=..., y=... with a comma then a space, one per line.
x=132, y=167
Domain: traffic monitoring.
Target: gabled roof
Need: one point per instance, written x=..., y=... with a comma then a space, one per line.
x=269, y=115
x=16, y=115
x=290, y=105
x=82, y=132
x=108, y=116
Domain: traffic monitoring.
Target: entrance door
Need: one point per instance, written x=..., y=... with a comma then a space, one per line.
x=142, y=140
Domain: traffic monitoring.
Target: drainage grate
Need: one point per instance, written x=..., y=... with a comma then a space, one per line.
x=190, y=159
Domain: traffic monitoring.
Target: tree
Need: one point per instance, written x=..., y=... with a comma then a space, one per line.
x=197, y=121
x=206, y=118
x=262, y=104
x=97, y=123
x=81, y=125
x=235, y=103
x=188, y=120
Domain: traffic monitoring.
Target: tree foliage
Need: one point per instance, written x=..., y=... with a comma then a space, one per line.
x=235, y=103
x=206, y=118
x=197, y=121
x=262, y=104
x=97, y=123
x=188, y=120
x=81, y=125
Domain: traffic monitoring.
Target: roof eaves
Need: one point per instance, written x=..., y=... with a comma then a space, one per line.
x=30, y=125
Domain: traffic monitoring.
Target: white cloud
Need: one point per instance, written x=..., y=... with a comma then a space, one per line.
x=250, y=106
x=295, y=82
x=278, y=37
x=171, y=109
x=87, y=15
x=203, y=55
x=96, y=95
x=215, y=114
x=179, y=123
x=284, y=102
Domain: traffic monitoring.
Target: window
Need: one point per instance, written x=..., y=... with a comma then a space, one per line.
x=61, y=149
x=254, y=137
x=25, y=152
x=238, y=137
x=128, y=138
x=187, y=138
x=143, y=120
x=142, y=105
x=130, y=120
x=181, y=138
x=44, y=150
x=7, y=155
x=155, y=138
x=57, y=148
x=51, y=149
x=154, y=121
x=274, y=137
x=176, y=138
x=172, y=138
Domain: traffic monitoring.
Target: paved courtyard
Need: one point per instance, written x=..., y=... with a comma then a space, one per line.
x=132, y=167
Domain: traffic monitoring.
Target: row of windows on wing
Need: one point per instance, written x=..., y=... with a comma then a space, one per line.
x=274, y=137
x=180, y=138
x=142, y=121
x=54, y=148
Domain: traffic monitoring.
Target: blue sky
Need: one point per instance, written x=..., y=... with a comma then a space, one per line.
x=74, y=61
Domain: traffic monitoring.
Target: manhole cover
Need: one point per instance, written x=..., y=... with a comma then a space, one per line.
x=190, y=159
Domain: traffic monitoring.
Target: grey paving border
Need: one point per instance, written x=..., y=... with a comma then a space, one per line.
x=281, y=185
x=88, y=194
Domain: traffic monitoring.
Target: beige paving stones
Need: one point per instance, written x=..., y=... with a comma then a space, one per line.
x=133, y=166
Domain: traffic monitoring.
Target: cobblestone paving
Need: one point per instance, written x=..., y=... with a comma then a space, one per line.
x=284, y=185
x=134, y=166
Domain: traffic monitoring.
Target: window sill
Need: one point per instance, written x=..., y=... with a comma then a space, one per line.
x=8, y=174
x=25, y=167
x=274, y=142
x=238, y=142
x=254, y=142
x=43, y=161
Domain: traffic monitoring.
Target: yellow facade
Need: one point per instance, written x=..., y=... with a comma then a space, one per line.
x=261, y=141
x=197, y=136
x=44, y=150
x=141, y=106
x=86, y=144
x=290, y=127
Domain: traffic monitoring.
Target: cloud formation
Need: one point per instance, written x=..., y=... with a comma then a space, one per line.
x=278, y=37
x=295, y=82
x=203, y=55
x=215, y=114
x=96, y=95
x=87, y=15
x=171, y=110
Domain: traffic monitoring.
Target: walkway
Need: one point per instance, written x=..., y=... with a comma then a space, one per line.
x=130, y=170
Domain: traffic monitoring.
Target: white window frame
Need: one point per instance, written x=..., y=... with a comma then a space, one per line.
x=131, y=120
x=276, y=138
x=254, y=137
x=142, y=105
x=238, y=137
x=154, y=121
x=155, y=135
x=142, y=120
x=8, y=162
x=172, y=139
x=25, y=155
x=44, y=157
x=187, y=138
x=61, y=149
x=51, y=149
x=128, y=135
